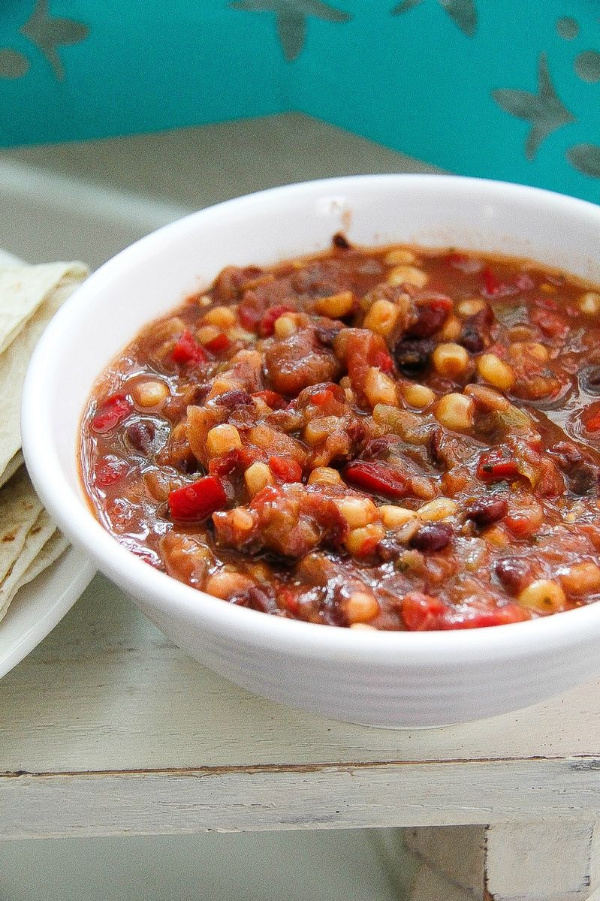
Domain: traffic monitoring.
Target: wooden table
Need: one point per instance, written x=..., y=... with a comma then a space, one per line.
x=108, y=729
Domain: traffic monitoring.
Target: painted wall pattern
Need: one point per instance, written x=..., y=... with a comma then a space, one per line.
x=483, y=87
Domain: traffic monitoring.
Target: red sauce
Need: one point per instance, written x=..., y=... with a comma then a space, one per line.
x=397, y=438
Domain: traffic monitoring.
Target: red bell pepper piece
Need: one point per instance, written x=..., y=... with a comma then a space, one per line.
x=187, y=349
x=422, y=612
x=198, y=500
x=266, y=326
x=376, y=478
x=494, y=466
x=285, y=469
x=218, y=344
x=112, y=411
x=591, y=417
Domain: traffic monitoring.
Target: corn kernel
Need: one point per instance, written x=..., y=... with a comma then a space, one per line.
x=497, y=536
x=455, y=411
x=221, y=385
x=361, y=607
x=357, y=511
x=495, y=371
x=395, y=517
x=382, y=317
x=380, y=388
x=488, y=398
x=149, y=393
x=451, y=329
x=227, y=585
x=317, y=430
x=221, y=439
x=399, y=257
x=285, y=326
x=207, y=333
x=336, y=305
x=407, y=275
x=363, y=539
x=419, y=396
x=581, y=578
x=257, y=477
x=362, y=627
x=222, y=317
x=543, y=596
x=242, y=519
x=439, y=508
x=450, y=360
x=324, y=475
x=589, y=303
x=470, y=306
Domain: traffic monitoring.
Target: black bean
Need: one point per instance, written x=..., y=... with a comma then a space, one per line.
x=487, y=511
x=471, y=338
x=412, y=355
x=341, y=241
x=433, y=536
x=589, y=379
x=583, y=478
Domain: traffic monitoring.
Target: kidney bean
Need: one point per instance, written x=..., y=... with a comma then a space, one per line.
x=431, y=315
x=487, y=511
x=431, y=537
x=513, y=573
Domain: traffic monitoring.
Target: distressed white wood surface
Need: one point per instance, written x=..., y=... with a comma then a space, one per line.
x=551, y=860
x=107, y=728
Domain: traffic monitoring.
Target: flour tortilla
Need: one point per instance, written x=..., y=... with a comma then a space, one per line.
x=11, y=467
x=19, y=509
x=23, y=289
x=49, y=294
x=52, y=550
x=39, y=534
x=29, y=540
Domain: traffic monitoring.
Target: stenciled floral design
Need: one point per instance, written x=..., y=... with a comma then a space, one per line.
x=291, y=17
x=48, y=33
x=462, y=12
x=544, y=110
x=547, y=112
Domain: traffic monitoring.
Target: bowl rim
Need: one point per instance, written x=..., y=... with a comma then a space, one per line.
x=163, y=594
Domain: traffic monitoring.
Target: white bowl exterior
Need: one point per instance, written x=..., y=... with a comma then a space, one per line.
x=386, y=679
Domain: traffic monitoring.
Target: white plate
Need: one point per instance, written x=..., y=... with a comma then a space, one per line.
x=41, y=604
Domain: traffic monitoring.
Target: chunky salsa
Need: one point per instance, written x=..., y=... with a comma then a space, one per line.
x=394, y=438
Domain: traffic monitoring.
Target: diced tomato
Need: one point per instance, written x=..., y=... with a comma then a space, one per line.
x=376, y=478
x=198, y=500
x=552, y=324
x=187, y=349
x=383, y=361
x=272, y=399
x=322, y=398
x=285, y=469
x=218, y=344
x=289, y=601
x=266, y=326
x=591, y=417
x=478, y=619
x=111, y=412
x=493, y=466
x=109, y=470
x=422, y=612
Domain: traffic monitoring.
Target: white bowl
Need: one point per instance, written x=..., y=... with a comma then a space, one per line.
x=398, y=679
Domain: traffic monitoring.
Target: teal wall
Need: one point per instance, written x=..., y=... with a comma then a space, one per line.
x=494, y=88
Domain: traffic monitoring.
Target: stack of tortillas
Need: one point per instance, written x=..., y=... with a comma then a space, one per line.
x=29, y=540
